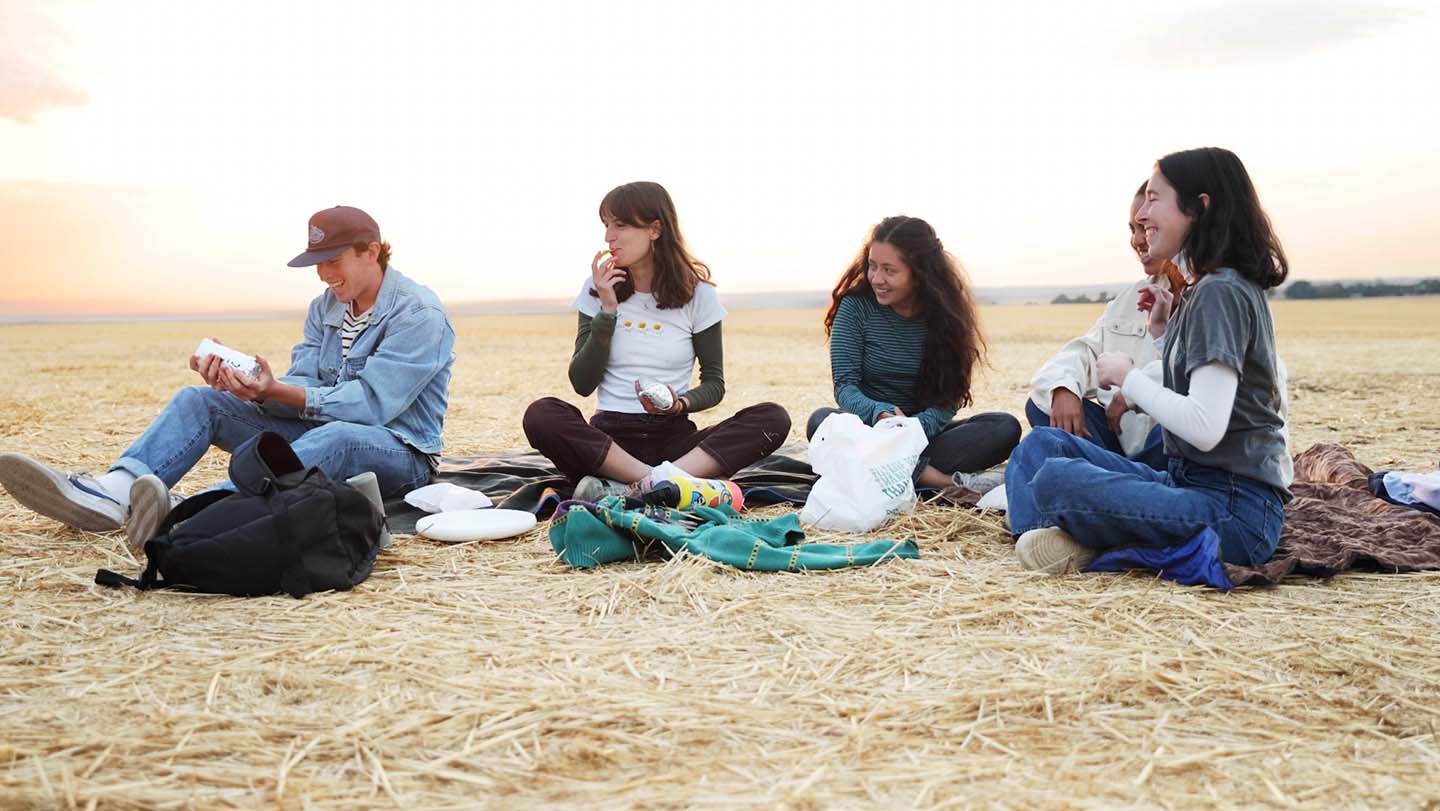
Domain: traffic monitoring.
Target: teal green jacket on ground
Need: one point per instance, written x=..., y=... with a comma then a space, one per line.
x=586, y=535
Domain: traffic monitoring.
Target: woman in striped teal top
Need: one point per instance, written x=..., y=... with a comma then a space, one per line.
x=905, y=341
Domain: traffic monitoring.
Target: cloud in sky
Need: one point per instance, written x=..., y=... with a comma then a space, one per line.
x=26, y=90
x=30, y=82
x=1241, y=32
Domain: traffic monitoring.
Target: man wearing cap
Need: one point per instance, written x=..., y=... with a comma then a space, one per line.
x=366, y=391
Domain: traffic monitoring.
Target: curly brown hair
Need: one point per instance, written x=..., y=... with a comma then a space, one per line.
x=383, y=259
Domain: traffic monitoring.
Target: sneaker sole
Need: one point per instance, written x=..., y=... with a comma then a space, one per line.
x=1052, y=551
x=149, y=504
x=50, y=494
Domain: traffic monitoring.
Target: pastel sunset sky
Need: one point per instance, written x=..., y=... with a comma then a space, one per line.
x=160, y=156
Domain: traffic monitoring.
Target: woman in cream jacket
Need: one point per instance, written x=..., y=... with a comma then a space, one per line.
x=1064, y=393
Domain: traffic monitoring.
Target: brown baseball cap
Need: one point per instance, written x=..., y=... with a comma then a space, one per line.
x=332, y=231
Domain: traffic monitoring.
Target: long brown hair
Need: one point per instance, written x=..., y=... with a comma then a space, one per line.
x=676, y=270
x=953, y=343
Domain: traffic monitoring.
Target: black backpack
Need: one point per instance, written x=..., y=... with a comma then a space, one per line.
x=288, y=529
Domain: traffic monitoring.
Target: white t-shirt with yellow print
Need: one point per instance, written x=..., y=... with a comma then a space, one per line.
x=650, y=344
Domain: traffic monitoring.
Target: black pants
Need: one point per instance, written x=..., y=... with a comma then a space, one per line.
x=559, y=431
x=974, y=443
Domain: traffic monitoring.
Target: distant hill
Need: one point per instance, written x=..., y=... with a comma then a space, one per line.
x=791, y=299
x=813, y=299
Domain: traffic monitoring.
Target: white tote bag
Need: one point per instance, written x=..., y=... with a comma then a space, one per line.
x=864, y=472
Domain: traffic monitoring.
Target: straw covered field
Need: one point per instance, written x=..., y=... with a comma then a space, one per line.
x=490, y=675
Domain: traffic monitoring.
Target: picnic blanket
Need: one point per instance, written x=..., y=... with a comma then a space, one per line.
x=527, y=481
x=1334, y=524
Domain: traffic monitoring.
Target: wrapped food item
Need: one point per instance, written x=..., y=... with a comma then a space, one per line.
x=239, y=361
x=658, y=395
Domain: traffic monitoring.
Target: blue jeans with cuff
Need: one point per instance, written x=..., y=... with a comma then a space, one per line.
x=198, y=417
x=1106, y=501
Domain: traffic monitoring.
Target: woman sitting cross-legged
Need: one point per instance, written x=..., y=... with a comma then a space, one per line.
x=905, y=340
x=1220, y=404
x=648, y=312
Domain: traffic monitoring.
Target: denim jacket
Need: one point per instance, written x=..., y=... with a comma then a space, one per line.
x=398, y=371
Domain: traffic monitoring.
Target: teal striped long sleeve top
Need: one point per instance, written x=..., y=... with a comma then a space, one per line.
x=875, y=356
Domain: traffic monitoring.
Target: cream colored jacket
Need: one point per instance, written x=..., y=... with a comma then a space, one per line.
x=1121, y=328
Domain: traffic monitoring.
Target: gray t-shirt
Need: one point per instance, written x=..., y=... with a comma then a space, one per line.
x=1225, y=319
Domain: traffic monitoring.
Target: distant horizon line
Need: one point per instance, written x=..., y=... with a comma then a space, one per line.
x=531, y=305
x=10, y=313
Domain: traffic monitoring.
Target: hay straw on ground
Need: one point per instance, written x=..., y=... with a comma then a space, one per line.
x=492, y=675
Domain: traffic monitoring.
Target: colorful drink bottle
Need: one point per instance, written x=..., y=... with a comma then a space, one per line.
x=683, y=492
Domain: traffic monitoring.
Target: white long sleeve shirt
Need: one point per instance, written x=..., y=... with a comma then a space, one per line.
x=1202, y=417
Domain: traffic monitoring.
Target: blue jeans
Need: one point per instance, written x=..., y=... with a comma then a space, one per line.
x=1152, y=454
x=1106, y=501
x=198, y=417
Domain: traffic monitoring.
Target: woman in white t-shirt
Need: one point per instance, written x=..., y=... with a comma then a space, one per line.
x=647, y=313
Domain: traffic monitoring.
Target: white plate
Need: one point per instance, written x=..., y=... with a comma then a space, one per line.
x=474, y=525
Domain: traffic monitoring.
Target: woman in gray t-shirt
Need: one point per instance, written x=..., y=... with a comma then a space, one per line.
x=1219, y=405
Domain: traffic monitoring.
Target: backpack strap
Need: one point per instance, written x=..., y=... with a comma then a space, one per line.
x=105, y=577
x=188, y=508
x=150, y=578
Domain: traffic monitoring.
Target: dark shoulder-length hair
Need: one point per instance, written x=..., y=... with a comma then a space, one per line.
x=676, y=272
x=1233, y=230
x=953, y=343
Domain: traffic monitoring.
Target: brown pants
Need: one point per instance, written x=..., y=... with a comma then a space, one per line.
x=559, y=431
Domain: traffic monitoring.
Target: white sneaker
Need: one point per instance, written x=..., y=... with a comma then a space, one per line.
x=150, y=503
x=981, y=481
x=1051, y=550
x=75, y=500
